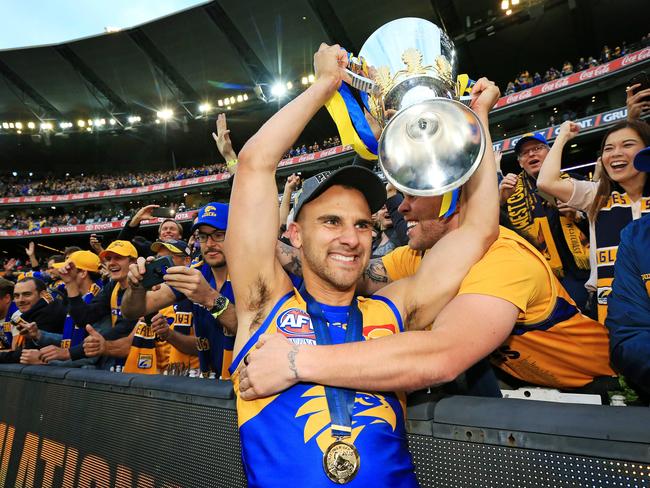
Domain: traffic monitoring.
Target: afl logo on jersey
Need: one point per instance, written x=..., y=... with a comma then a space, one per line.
x=295, y=323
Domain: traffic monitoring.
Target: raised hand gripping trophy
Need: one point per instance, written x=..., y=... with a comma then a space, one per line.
x=406, y=78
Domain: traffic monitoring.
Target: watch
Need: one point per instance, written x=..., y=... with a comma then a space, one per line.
x=220, y=304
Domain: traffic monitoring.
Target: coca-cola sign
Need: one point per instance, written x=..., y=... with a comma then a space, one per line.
x=575, y=78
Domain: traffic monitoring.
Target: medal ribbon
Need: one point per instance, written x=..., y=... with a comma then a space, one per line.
x=340, y=401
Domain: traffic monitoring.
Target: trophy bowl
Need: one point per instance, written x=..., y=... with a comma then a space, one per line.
x=432, y=147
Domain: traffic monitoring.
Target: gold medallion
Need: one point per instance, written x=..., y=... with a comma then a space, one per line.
x=341, y=462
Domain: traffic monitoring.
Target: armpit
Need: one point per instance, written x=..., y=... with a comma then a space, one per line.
x=258, y=299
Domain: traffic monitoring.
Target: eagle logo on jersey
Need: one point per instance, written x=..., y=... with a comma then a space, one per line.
x=370, y=408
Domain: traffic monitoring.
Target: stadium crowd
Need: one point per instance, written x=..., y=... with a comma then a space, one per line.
x=550, y=291
x=525, y=80
x=18, y=185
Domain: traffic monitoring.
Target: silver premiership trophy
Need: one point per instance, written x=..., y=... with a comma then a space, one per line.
x=431, y=142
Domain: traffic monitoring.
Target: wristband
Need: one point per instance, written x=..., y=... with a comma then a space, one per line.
x=231, y=163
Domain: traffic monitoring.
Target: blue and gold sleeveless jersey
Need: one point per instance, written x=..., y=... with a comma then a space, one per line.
x=284, y=436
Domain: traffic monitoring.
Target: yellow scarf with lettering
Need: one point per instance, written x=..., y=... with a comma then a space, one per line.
x=527, y=212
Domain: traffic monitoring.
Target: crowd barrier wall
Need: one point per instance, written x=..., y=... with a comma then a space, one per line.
x=71, y=427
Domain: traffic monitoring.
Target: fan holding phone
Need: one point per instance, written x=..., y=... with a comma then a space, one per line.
x=638, y=96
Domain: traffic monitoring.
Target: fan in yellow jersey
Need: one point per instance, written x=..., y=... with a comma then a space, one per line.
x=307, y=434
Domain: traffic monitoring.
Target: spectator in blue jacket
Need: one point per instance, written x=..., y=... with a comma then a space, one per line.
x=628, y=317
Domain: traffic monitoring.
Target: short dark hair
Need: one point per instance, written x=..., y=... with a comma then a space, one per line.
x=6, y=287
x=70, y=249
x=57, y=258
x=40, y=284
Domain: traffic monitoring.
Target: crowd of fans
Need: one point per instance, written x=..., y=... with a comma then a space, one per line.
x=526, y=80
x=16, y=186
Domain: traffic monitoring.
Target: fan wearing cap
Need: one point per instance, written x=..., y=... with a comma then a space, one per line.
x=628, y=314
x=333, y=231
x=206, y=285
x=620, y=196
x=105, y=305
x=152, y=345
x=56, y=346
x=555, y=229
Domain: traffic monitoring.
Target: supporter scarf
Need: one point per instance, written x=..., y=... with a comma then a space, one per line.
x=143, y=357
x=116, y=303
x=528, y=212
x=611, y=220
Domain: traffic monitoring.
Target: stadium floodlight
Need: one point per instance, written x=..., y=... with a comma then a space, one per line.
x=31, y=125
x=289, y=85
x=220, y=103
x=31, y=174
x=46, y=126
x=81, y=123
x=205, y=107
x=508, y=12
x=99, y=122
x=89, y=129
x=19, y=131
x=278, y=89
x=304, y=80
x=165, y=114
x=505, y=5
x=19, y=125
x=515, y=2
x=245, y=97
x=311, y=78
x=233, y=100
x=14, y=173
x=90, y=122
x=240, y=98
x=11, y=125
x=5, y=125
x=112, y=121
x=157, y=121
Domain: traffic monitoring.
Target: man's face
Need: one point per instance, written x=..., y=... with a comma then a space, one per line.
x=169, y=230
x=178, y=259
x=118, y=266
x=425, y=228
x=212, y=248
x=335, y=234
x=26, y=295
x=532, y=156
x=51, y=270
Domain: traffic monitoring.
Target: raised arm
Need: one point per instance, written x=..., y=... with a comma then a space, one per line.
x=418, y=298
x=257, y=276
x=550, y=178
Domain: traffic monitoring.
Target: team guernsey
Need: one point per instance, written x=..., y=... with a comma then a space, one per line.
x=73, y=334
x=552, y=343
x=285, y=436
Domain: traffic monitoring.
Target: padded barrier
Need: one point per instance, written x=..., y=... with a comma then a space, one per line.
x=74, y=427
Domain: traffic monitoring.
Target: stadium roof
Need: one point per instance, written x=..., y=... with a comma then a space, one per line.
x=225, y=48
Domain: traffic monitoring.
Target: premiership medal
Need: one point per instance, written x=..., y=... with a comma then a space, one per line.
x=341, y=459
x=341, y=462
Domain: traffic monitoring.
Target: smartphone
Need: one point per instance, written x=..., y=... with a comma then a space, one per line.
x=155, y=271
x=99, y=237
x=163, y=212
x=641, y=78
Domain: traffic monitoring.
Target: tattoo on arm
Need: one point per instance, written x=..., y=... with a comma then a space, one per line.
x=376, y=272
x=290, y=259
x=292, y=359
